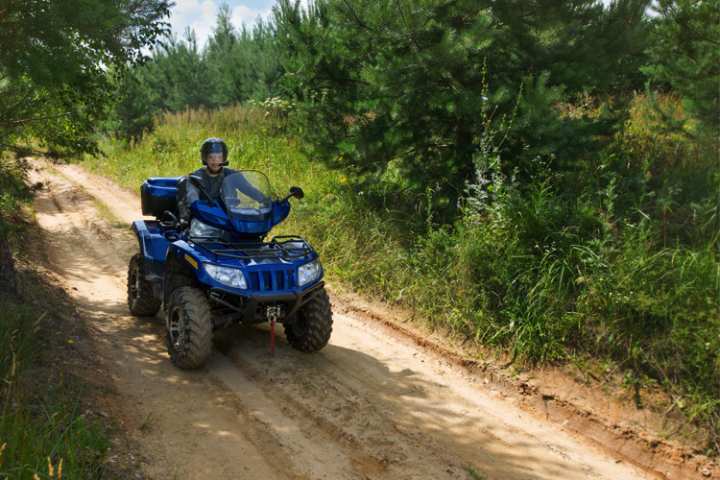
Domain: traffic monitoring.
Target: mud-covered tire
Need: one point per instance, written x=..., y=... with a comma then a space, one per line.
x=311, y=329
x=189, y=328
x=140, y=298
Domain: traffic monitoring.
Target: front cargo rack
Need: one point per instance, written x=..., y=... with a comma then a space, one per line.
x=282, y=246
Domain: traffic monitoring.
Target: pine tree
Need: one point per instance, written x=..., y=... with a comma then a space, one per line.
x=219, y=59
x=685, y=57
x=407, y=85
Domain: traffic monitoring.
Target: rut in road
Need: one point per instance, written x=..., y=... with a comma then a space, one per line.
x=369, y=406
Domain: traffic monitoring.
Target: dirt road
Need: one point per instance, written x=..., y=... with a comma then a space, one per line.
x=369, y=406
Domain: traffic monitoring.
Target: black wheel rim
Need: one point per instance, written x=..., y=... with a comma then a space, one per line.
x=134, y=282
x=176, y=328
x=300, y=326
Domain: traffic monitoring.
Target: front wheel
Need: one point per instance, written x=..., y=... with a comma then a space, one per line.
x=311, y=329
x=189, y=328
x=140, y=297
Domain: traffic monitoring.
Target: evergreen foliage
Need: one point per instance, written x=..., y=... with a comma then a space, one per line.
x=54, y=57
x=235, y=66
x=408, y=84
x=55, y=80
x=685, y=58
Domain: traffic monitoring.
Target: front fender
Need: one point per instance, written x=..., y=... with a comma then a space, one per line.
x=181, y=268
x=183, y=254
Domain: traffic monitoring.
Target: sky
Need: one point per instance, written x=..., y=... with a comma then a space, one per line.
x=200, y=14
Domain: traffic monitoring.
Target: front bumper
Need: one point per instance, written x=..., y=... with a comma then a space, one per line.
x=247, y=305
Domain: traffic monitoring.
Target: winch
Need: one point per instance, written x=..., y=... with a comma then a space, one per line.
x=273, y=313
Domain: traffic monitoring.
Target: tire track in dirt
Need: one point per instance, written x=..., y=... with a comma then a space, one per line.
x=367, y=407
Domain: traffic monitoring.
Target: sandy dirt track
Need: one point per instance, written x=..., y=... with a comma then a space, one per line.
x=368, y=406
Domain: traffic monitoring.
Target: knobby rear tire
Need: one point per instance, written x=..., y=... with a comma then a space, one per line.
x=311, y=329
x=140, y=298
x=188, y=312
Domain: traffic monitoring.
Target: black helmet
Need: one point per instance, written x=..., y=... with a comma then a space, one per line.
x=213, y=145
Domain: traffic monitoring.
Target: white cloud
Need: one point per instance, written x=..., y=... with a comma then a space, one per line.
x=246, y=15
x=200, y=16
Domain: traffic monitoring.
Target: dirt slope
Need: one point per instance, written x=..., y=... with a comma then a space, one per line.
x=369, y=406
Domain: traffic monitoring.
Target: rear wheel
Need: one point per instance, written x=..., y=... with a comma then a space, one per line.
x=189, y=328
x=140, y=298
x=311, y=329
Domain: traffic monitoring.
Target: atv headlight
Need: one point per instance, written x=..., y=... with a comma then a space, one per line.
x=309, y=272
x=232, y=277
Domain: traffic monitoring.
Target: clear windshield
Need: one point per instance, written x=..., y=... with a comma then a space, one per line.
x=247, y=193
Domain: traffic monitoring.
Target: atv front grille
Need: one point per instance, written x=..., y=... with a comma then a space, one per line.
x=271, y=280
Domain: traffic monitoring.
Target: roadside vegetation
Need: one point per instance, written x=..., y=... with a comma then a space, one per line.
x=43, y=432
x=58, y=63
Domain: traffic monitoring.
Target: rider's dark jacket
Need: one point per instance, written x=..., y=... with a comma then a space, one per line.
x=187, y=193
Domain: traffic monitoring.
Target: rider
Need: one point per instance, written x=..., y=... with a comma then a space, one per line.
x=214, y=157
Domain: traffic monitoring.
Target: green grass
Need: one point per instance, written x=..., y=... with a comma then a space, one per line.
x=43, y=420
x=474, y=474
x=41, y=423
x=548, y=279
x=13, y=194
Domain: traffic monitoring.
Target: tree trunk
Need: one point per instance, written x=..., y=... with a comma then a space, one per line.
x=8, y=283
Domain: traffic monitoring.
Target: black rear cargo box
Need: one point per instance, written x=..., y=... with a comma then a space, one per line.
x=159, y=194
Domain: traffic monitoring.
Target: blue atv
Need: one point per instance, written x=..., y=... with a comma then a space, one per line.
x=219, y=270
